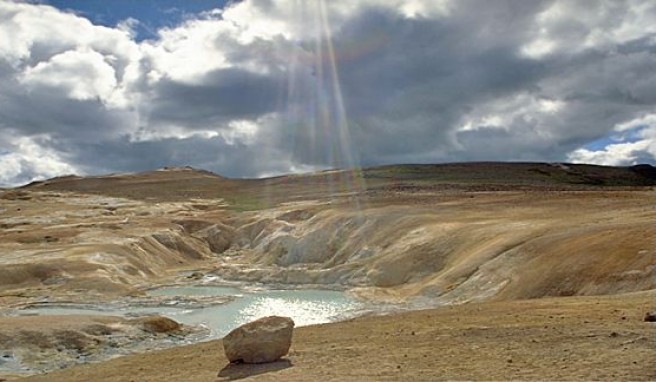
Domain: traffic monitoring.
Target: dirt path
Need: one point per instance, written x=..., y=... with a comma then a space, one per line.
x=570, y=338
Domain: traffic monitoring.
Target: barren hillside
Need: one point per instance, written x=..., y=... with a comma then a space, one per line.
x=451, y=233
x=421, y=235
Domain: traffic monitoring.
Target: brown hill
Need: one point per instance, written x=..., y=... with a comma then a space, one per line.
x=450, y=232
x=183, y=183
x=425, y=235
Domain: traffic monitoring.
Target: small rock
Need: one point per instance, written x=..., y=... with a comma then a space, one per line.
x=650, y=317
x=613, y=334
x=260, y=341
x=159, y=324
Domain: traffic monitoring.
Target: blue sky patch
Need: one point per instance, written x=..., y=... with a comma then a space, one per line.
x=629, y=136
x=151, y=14
x=600, y=144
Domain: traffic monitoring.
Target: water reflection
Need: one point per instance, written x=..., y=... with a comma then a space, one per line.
x=304, y=312
x=305, y=307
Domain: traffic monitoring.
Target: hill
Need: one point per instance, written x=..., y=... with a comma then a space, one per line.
x=178, y=184
x=449, y=232
x=416, y=236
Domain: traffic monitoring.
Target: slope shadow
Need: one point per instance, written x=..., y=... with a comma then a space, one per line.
x=234, y=371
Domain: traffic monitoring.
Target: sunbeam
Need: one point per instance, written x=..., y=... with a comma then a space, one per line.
x=315, y=105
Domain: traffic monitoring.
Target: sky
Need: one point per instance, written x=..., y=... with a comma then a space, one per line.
x=258, y=88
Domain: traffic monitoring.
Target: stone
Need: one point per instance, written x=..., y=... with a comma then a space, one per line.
x=159, y=324
x=263, y=340
x=650, y=317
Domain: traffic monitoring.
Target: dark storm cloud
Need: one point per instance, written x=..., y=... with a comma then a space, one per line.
x=411, y=96
x=405, y=96
x=221, y=96
x=46, y=111
x=214, y=154
x=490, y=143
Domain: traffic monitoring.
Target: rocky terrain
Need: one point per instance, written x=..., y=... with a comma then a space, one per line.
x=516, y=239
x=48, y=343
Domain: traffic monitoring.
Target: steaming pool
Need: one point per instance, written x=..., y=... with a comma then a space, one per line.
x=304, y=306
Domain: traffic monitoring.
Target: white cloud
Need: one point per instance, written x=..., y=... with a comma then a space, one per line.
x=635, y=143
x=187, y=52
x=242, y=131
x=618, y=154
x=637, y=123
x=28, y=159
x=31, y=33
x=524, y=110
x=538, y=48
x=128, y=26
x=573, y=26
x=79, y=74
x=11, y=167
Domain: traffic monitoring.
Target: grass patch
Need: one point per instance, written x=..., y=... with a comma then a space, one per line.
x=243, y=203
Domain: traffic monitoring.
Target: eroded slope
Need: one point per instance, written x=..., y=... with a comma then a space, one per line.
x=450, y=244
x=457, y=247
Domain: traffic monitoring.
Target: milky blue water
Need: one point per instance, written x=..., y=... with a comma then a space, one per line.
x=305, y=307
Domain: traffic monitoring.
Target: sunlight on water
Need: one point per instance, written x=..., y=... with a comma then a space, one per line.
x=303, y=312
x=305, y=307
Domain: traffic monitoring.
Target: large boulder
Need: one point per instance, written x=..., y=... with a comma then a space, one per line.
x=263, y=340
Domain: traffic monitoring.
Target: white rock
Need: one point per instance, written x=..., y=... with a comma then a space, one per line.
x=263, y=340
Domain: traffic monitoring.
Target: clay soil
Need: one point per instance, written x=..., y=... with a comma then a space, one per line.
x=567, y=338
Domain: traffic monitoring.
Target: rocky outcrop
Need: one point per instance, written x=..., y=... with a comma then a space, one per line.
x=33, y=344
x=263, y=340
x=218, y=236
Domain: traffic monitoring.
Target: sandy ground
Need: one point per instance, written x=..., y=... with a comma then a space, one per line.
x=569, y=338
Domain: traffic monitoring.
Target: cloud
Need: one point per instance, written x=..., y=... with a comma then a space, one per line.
x=268, y=87
x=224, y=95
x=634, y=142
x=618, y=154
x=78, y=75
x=28, y=159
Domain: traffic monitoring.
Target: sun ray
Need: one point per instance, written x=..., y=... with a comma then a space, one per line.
x=316, y=109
